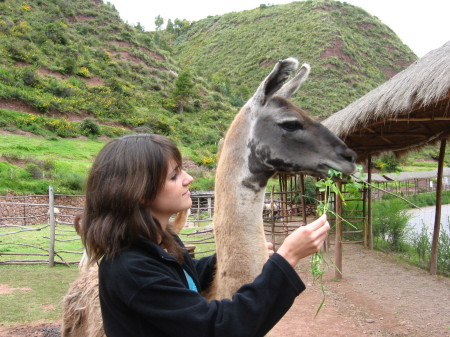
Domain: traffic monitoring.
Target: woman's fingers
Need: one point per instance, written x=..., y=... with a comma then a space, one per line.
x=318, y=223
x=305, y=240
x=270, y=248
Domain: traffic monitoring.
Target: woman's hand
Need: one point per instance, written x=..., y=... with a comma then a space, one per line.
x=269, y=246
x=304, y=241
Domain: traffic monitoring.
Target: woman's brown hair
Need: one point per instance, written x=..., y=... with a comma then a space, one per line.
x=126, y=175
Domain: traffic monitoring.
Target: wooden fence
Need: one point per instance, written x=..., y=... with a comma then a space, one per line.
x=38, y=229
x=35, y=232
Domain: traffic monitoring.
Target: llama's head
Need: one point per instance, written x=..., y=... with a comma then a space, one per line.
x=283, y=138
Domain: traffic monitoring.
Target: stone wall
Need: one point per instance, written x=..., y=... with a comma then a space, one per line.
x=33, y=209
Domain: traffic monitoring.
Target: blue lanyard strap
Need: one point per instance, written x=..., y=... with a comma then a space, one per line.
x=190, y=281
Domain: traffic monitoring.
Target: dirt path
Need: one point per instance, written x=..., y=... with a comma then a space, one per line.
x=378, y=296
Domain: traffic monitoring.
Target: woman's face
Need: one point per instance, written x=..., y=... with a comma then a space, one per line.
x=174, y=195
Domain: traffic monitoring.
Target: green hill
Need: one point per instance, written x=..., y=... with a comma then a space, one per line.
x=64, y=61
x=74, y=68
x=350, y=51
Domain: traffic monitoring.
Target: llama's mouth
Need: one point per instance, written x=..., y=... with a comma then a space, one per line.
x=322, y=171
x=314, y=173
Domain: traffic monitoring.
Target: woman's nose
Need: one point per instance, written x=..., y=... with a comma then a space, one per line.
x=187, y=178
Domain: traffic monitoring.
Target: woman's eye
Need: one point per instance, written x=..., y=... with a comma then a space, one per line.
x=291, y=126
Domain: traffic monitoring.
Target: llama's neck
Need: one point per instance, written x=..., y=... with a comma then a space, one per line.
x=239, y=192
x=238, y=224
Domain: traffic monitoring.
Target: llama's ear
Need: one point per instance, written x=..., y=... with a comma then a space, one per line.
x=273, y=82
x=289, y=88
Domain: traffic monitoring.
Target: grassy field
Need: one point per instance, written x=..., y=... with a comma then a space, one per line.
x=30, y=293
x=30, y=164
x=35, y=239
x=76, y=153
x=39, y=294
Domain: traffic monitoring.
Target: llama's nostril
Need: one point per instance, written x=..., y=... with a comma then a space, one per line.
x=347, y=154
x=351, y=159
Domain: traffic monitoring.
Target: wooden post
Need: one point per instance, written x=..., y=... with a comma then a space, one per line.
x=198, y=208
x=272, y=217
x=24, y=214
x=51, y=215
x=338, y=236
x=437, y=218
x=302, y=191
x=364, y=211
x=210, y=206
x=369, y=203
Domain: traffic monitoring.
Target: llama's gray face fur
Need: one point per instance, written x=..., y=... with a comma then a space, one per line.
x=282, y=142
x=284, y=138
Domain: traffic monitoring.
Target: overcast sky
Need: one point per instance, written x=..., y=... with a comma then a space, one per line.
x=422, y=25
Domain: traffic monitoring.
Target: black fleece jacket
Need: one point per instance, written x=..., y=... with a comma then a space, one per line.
x=144, y=292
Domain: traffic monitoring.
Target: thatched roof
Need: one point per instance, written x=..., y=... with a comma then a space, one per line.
x=410, y=110
x=405, y=176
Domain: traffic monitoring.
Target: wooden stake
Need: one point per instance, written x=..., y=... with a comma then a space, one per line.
x=51, y=215
x=369, y=203
x=437, y=218
x=338, y=236
x=302, y=191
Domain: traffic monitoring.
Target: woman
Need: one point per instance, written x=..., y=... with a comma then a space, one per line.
x=148, y=284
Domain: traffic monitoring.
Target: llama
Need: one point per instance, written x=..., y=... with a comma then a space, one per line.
x=268, y=135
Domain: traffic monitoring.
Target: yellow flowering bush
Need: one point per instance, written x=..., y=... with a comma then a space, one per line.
x=207, y=161
x=63, y=128
x=84, y=71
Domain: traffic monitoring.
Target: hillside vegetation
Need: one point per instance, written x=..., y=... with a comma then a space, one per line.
x=62, y=62
x=350, y=51
x=74, y=68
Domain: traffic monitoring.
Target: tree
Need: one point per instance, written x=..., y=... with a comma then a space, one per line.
x=184, y=90
x=159, y=21
x=170, y=26
x=140, y=27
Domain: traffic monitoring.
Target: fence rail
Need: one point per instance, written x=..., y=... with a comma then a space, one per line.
x=39, y=229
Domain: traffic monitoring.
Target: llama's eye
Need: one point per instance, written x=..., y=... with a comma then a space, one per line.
x=291, y=126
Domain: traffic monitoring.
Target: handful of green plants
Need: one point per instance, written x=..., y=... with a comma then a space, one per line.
x=327, y=186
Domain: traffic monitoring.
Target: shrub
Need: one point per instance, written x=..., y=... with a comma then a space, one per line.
x=62, y=127
x=388, y=163
x=48, y=164
x=72, y=181
x=59, y=89
x=57, y=33
x=421, y=243
x=444, y=251
x=203, y=184
x=69, y=65
x=158, y=125
x=90, y=127
x=34, y=170
x=310, y=190
x=389, y=222
x=30, y=78
x=11, y=157
x=84, y=72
